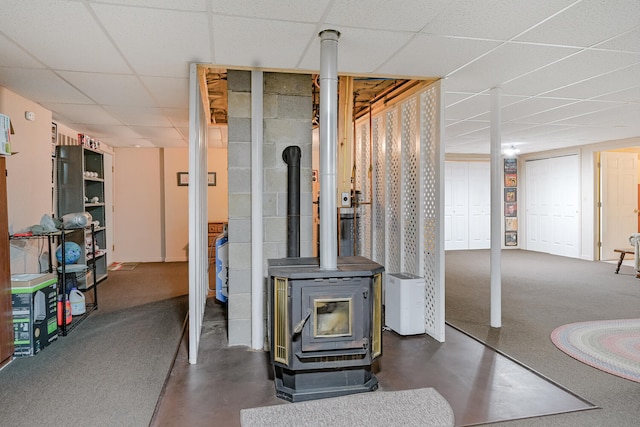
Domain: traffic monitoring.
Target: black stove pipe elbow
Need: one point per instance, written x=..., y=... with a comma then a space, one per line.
x=291, y=156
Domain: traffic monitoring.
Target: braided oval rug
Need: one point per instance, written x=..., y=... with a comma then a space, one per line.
x=612, y=346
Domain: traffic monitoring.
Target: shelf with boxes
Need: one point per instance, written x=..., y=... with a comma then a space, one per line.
x=43, y=303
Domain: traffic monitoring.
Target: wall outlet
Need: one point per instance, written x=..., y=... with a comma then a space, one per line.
x=345, y=199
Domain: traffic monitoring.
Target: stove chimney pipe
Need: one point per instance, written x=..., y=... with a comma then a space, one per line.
x=291, y=156
x=328, y=148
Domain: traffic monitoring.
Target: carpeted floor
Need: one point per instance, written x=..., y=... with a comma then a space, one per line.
x=108, y=371
x=423, y=407
x=612, y=346
x=541, y=292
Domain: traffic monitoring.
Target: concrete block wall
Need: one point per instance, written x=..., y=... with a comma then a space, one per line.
x=287, y=114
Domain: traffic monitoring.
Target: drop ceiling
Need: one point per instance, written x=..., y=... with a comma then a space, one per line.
x=568, y=70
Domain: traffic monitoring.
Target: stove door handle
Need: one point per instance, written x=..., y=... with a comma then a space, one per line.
x=301, y=323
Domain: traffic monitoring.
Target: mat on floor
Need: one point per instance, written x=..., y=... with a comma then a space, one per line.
x=612, y=346
x=123, y=266
x=421, y=407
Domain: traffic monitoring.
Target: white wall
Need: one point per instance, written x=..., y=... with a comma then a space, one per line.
x=29, y=175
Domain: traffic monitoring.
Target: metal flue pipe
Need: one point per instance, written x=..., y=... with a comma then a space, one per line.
x=328, y=148
x=291, y=156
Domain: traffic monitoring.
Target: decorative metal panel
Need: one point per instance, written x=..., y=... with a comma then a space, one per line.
x=280, y=320
x=410, y=187
x=376, y=327
x=393, y=191
x=430, y=201
x=378, y=197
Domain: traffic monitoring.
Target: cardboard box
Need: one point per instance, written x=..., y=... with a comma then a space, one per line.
x=34, y=299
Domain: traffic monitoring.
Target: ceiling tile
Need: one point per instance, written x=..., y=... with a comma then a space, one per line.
x=626, y=95
x=359, y=50
x=83, y=114
x=139, y=116
x=109, y=131
x=570, y=110
x=626, y=42
x=179, y=38
x=581, y=66
x=438, y=57
x=234, y=45
x=16, y=56
x=406, y=15
x=586, y=23
x=469, y=108
x=155, y=132
x=531, y=106
x=503, y=21
x=464, y=127
x=168, y=92
x=114, y=89
x=601, y=85
x=507, y=62
x=61, y=23
x=193, y=5
x=41, y=86
x=284, y=10
x=177, y=116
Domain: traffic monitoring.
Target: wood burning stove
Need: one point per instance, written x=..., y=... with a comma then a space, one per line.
x=325, y=314
x=325, y=326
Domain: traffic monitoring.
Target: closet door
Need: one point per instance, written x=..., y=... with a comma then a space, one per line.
x=552, y=205
x=456, y=206
x=479, y=205
x=6, y=317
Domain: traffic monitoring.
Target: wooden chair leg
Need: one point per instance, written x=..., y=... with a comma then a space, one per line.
x=620, y=262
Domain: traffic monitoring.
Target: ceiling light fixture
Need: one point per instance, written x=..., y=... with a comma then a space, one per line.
x=511, y=151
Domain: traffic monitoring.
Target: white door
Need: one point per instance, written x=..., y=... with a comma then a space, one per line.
x=479, y=205
x=619, y=201
x=552, y=190
x=456, y=209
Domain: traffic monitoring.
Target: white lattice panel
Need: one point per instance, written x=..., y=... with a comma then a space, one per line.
x=363, y=184
x=378, y=197
x=393, y=191
x=410, y=187
x=432, y=251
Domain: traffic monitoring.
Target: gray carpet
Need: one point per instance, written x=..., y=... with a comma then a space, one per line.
x=108, y=371
x=422, y=407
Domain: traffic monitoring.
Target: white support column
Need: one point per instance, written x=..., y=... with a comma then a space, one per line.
x=257, y=275
x=496, y=210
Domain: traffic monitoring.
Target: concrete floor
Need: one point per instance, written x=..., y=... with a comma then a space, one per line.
x=480, y=384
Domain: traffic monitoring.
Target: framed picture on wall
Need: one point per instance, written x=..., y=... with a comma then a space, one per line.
x=511, y=238
x=183, y=179
x=510, y=180
x=510, y=195
x=511, y=224
x=510, y=165
x=511, y=209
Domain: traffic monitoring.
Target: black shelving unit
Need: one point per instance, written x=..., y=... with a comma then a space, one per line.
x=62, y=272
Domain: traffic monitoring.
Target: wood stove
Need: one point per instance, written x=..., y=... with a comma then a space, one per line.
x=325, y=326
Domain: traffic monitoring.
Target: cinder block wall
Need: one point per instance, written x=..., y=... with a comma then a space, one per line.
x=287, y=114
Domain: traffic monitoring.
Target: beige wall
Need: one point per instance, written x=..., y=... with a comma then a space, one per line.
x=138, y=205
x=29, y=186
x=151, y=210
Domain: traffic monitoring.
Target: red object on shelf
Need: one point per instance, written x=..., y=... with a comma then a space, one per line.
x=67, y=311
